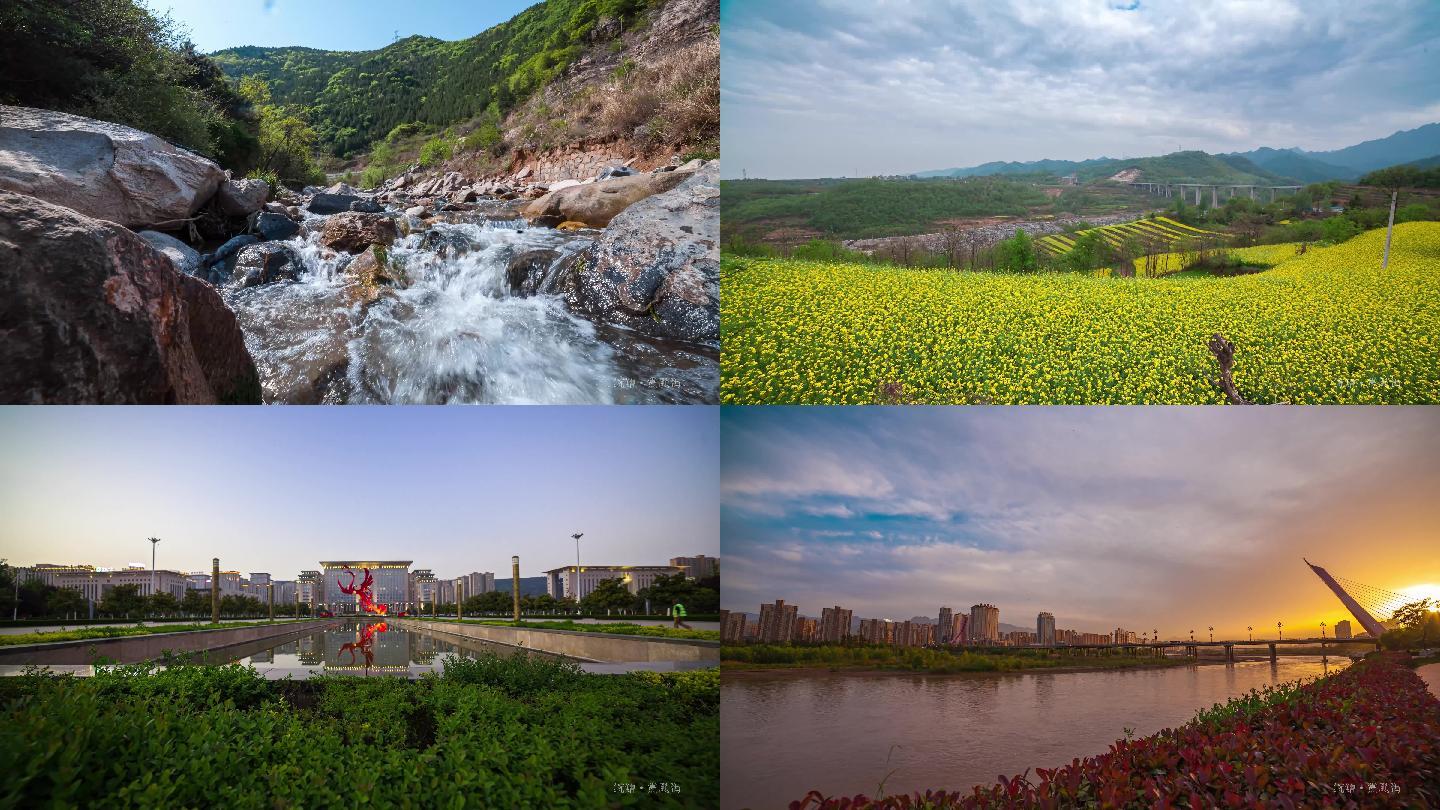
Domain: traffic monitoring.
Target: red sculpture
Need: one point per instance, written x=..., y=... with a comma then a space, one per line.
x=367, y=599
x=364, y=645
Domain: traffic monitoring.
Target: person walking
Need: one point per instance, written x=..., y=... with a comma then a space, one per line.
x=677, y=613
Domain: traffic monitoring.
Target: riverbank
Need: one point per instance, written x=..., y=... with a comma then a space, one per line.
x=764, y=658
x=490, y=731
x=1368, y=733
x=732, y=670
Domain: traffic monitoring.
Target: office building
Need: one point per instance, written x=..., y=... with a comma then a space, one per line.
x=777, y=622
x=1045, y=629
x=558, y=581
x=697, y=567
x=835, y=624
x=942, y=630
x=310, y=588
x=94, y=583
x=1342, y=629
x=984, y=623
x=390, y=585
x=425, y=587
x=477, y=583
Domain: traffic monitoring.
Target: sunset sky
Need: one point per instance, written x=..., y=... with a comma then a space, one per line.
x=279, y=489
x=831, y=88
x=1148, y=518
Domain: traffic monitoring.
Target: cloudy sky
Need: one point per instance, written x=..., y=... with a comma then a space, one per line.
x=1147, y=518
x=821, y=88
x=279, y=489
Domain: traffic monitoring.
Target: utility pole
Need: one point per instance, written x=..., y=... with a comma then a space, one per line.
x=575, y=584
x=153, y=542
x=515, y=585
x=1389, y=229
x=215, y=590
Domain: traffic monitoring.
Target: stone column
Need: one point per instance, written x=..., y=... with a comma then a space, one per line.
x=215, y=590
x=459, y=598
x=270, y=597
x=515, y=585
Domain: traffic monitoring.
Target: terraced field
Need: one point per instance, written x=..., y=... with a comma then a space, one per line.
x=1327, y=326
x=1154, y=234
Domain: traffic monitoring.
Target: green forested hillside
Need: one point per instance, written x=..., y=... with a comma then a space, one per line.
x=1177, y=167
x=853, y=209
x=355, y=98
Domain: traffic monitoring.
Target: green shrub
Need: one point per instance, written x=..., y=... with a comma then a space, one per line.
x=435, y=150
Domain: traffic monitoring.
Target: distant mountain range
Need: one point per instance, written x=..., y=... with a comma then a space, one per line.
x=1420, y=146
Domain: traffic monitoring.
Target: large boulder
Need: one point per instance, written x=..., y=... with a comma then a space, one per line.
x=595, y=204
x=185, y=258
x=324, y=203
x=266, y=262
x=241, y=198
x=367, y=206
x=91, y=313
x=526, y=270
x=102, y=170
x=352, y=232
x=271, y=225
x=656, y=268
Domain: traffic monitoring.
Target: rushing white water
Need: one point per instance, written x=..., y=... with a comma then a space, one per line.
x=453, y=334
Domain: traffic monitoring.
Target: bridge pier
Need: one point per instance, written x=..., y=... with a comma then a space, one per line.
x=1214, y=196
x=1230, y=653
x=1272, y=652
x=1197, y=196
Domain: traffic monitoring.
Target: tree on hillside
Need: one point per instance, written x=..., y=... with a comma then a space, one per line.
x=286, y=139
x=1017, y=254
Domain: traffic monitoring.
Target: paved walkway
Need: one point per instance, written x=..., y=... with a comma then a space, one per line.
x=1430, y=673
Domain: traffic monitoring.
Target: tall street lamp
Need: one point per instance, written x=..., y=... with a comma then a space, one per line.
x=1212, y=634
x=576, y=583
x=1251, y=630
x=153, y=542
x=1280, y=632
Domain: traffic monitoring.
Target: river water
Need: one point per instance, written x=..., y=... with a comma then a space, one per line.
x=784, y=735
x=455, y=333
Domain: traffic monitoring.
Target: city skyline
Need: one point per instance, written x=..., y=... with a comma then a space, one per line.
x=279, y=490
x=841, y=88
x=1147, y=518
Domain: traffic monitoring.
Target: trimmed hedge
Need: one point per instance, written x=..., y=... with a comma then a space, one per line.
x=488, y=732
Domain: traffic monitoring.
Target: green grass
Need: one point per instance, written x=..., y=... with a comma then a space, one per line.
x=921, y=659
x=488, y=732
x=118, y=632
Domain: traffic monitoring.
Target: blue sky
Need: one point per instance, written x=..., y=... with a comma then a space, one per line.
x=278, y=489
x=1176, y=517
x=337, y=25
x=845, y=87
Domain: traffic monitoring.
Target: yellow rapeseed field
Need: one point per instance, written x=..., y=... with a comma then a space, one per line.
x=1324, y=327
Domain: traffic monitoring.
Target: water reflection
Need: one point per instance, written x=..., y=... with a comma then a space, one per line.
x=785, y=733
x=360, y=647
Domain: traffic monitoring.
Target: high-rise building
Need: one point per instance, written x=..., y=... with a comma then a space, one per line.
x=834, y=624
x=984, y=623
x=1123, y=636
x=697, y=567
x=477, y=582
x=777, y=622
x=942, y=630
x=445, y=591
x=284, y=592
x=311, y=588
x=732, y=627
x=1045, y=629
x=959, y=628
x=1342, y=629
x=636, y=577
x=871, y=631
x=807, y=630
x=425, y=587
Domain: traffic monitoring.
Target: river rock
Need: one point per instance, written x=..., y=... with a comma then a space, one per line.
x=366, y=206
x=353, y=232
x=239, y=198
x=102, y=170
x=526, y=271
x=416, y=211
x=185, y=258
x=445, y=243
x=656, y=268
x=266, y=262
x=323, y=203
x=275, y=226
x=595, y=204
x=91, y=313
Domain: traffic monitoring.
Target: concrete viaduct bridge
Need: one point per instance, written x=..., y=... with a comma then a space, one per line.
x=1217, y=192
x=1191, y=649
